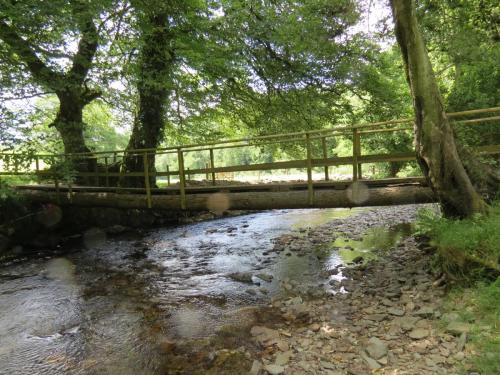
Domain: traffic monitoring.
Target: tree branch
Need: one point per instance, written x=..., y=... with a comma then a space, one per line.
x=40, y=71
x=87, y=47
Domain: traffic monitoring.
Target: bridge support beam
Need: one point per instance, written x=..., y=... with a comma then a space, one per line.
x=263, y=200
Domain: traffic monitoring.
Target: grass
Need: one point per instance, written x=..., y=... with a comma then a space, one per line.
x=466, y=248
x=469, y=252
x=480, y=306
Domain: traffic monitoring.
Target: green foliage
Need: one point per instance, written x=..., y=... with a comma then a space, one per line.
x=10, y=202
x=480, y=306
x=465, y=247
x=102, y=132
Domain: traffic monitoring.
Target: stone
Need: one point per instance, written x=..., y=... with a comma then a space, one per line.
x=256, y=368
x=457, y=328
x=450, y=317
x=459, y=356
x=358, y=259
x=386, y=302
x=265, y=277
x=274, y=369
x=425, y=312
x=396, y=311
x=283, y=358
x=265, y=336
x=243, y=277
x=407, y=323
x=376, y=348
x=461, y=342
x=383, y=361
x=370, y=362
x=419, y=333
x=315, y=327
x=116, y=229
x=376, y=317
x=327, y=365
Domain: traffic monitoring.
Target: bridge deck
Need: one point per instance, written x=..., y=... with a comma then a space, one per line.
x=235, y=187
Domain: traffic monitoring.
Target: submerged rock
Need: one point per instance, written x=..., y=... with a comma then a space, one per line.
x=242, y=277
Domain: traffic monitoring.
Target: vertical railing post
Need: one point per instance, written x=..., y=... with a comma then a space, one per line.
x=310, y=191
x=325, y=156
x=37, y=167
x=147, y=183
x=96, y=172
x=56, y=178
x=168, y=176
x=212, y=165
x=207, y=166
x=355, y=138
x=358, y=143
x=106, y=171
x=67, y=160
x=16, y=164
x=182, y=178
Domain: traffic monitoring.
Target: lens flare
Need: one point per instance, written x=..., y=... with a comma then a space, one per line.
x=50, y=215
x=218, y=203
x=358, y=192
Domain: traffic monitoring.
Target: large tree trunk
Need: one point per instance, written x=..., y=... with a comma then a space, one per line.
x=155, y=65
x=434, y=139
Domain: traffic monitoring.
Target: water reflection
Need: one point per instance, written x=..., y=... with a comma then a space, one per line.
x=111, y=305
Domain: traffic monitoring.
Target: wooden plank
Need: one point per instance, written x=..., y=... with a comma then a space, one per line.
x=325, y=156
x=284, y=186
x=212, y=165
x=146, y=179
x=310, y=188
x=488, y=150
x=355, y=136
x=182, y=179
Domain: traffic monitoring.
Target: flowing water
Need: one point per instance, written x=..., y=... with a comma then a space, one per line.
x=106, y=305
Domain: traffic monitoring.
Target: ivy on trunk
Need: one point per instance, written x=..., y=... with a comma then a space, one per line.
x=437, y=152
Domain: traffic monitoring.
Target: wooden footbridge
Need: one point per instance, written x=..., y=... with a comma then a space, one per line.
x=213, y=187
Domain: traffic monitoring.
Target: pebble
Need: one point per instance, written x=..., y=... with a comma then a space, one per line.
x=418, y=334
x=274, y=369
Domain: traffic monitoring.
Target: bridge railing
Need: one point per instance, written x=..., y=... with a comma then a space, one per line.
x=106, y=168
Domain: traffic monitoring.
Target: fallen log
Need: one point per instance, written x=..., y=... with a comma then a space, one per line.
x=222, y=201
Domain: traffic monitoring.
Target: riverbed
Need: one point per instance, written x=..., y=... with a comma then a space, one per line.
x=119, y=304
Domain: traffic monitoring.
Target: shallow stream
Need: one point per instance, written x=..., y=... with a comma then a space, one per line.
x=107, y=305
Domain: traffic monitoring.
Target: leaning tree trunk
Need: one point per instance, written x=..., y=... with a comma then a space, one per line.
x=155, y=68
x=434, y=138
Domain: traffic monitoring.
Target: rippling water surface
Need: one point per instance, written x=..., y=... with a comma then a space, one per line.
x=106, y=306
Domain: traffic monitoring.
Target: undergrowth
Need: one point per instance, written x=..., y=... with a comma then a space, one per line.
x=468, y=251
x=479, y=305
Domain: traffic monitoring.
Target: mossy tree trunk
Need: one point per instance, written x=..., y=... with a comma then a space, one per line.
x=155, y=69
x=437, y=152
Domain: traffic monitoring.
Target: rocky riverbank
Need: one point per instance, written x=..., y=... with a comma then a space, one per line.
x=384, y=314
